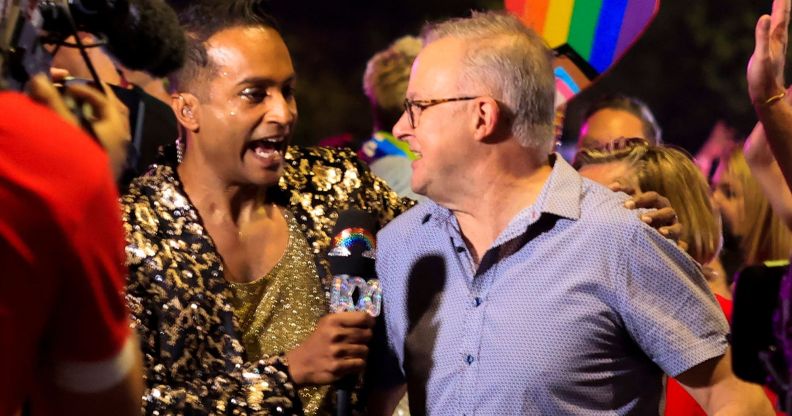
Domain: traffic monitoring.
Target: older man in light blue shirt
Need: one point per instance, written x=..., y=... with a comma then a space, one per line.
x=523, y=288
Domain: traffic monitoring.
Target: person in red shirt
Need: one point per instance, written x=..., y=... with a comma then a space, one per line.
x=65, y=342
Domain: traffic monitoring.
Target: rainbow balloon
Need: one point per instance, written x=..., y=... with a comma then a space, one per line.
x=589, y=36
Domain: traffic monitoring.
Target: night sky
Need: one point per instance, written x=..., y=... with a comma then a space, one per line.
x=689, y=67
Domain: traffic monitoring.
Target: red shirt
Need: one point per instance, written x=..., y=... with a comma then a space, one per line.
x=61, y=250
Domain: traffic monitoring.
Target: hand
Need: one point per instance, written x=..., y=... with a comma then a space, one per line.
x=110, y=122
x=765, y=72
x=721, y=139
x=337, y=347
x=41, y=90
x=663, y=218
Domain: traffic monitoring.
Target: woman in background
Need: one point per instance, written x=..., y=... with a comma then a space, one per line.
x=759, y=234
x=671, y=173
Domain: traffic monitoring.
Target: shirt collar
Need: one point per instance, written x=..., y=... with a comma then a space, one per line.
x=560, y=196
x=561, y=193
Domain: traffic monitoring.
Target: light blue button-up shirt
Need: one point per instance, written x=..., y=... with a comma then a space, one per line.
x=576, y=309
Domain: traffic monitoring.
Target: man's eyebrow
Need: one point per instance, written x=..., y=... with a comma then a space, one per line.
x=266, y=81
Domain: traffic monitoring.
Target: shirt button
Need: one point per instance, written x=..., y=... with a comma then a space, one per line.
x=460, y=249
x=477, y=302
x=469, y=359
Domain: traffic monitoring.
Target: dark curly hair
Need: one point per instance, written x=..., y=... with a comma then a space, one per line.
x=202, y=19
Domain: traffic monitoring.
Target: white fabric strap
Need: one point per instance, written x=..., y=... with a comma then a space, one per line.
x=96, y=376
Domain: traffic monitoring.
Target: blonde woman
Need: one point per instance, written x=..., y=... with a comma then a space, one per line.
x=669, y=172
x=672, y=173
x=762, y=235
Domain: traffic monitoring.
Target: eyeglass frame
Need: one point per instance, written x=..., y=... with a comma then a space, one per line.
x=424, y=104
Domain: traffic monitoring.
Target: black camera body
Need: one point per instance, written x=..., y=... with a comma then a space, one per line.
x=139, y=34
x=30, y=24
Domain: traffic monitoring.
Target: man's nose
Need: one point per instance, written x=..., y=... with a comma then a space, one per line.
x=402, y=129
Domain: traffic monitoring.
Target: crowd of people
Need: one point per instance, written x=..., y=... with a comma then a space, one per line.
x=514, y=282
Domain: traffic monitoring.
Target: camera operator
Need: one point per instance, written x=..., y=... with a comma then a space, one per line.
x=64, y=335
x=65, y=342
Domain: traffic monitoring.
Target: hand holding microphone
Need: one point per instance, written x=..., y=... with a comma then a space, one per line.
x=338, y=347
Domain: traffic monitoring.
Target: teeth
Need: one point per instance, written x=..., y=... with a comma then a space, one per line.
x=266, y=153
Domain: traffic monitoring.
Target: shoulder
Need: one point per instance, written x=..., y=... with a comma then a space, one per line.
x=603, y=209
x=408, y=223
x=158, y=182
x=152, y=206
x=337, y=179
x=331, y=156
x=48, y=157
x=615, y=227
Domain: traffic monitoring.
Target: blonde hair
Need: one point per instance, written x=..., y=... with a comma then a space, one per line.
x=671, y=173
x=766, y=237
x=388, y=72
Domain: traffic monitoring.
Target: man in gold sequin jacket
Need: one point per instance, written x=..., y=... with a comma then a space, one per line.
x=227, y=235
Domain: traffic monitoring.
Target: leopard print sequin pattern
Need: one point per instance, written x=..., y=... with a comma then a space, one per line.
x=194, y=359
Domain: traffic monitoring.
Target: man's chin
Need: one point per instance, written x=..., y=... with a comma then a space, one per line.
x=263, y=177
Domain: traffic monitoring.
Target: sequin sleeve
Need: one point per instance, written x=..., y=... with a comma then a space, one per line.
x=194, y=362
x=318, y=183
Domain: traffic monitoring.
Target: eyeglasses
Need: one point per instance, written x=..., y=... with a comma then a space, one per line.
x=424, y=104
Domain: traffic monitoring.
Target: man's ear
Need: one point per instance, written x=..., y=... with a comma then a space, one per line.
x=488, y=116
x=185, y=107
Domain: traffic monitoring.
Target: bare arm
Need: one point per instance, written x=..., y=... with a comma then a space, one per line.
x=719, y=392
x=767, y=172
x=765, y=77
x=383, y=402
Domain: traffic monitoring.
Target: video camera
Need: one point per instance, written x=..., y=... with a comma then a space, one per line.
x=28, y=25
x=140, y=34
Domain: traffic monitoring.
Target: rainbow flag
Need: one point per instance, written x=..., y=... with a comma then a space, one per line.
x=589, y=36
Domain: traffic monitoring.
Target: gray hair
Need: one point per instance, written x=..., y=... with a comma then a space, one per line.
x=514, y=63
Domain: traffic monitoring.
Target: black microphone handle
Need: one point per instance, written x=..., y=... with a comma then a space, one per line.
x=344, y=389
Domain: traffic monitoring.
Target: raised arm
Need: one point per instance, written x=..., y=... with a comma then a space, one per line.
x=765, y=169
x=766, y=84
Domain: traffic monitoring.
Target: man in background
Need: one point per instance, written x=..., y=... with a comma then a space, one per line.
x=618, y=116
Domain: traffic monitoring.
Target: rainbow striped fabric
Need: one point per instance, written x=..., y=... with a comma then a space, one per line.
x=589, y=36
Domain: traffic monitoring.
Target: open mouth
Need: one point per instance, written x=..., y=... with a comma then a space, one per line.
x=268, y=148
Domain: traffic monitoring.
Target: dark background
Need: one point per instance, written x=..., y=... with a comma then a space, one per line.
x=689, y=67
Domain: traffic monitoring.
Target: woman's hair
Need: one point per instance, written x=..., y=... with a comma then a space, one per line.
x=671, y=173
x=766, y=237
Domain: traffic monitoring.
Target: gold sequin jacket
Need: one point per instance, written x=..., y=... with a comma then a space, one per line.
x=180, y=302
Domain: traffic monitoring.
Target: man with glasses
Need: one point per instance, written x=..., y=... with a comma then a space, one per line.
x=522, y=288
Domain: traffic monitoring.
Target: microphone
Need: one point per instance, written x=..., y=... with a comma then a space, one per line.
x=351, y=258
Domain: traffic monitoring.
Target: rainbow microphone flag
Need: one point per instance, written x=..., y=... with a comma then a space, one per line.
x=588, y=36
